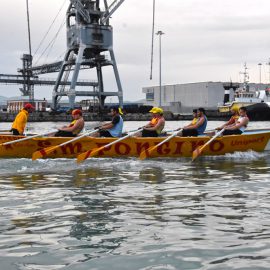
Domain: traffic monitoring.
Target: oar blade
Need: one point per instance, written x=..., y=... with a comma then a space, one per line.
x=197, y=152
x=146, y=153
x=83, y=156
x=95, y=151
x=43, y=152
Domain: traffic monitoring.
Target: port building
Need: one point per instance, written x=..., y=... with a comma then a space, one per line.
x=183, y=98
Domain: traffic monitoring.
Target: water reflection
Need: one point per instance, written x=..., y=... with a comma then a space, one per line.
x=157, y=213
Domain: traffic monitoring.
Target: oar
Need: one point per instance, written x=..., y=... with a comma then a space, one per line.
x=143, y=154
x=46, y=151
x=26, y=138
x=92, y=152
x=199, y=149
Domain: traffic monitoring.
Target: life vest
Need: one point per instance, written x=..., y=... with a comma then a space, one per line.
x=76, y=131
x=72, y=123
x=233, y=119
x=154, y=122
x=194, y=121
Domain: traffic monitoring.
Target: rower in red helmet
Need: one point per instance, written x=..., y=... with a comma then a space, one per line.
x=74, y=128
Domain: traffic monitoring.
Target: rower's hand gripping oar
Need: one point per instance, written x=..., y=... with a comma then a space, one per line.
x=93, y=152
x=199, y=149
x=26, y=138
x=46, y=151
x=149, y=150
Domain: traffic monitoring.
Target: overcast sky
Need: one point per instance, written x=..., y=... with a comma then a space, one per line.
x=205, y=40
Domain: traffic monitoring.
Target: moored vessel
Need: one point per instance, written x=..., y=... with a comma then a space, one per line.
x=256, y=101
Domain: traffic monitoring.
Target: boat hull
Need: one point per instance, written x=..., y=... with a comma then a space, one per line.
x=256, y=112
x=132, y=147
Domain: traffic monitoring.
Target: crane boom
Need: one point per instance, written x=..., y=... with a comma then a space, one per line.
x=80, y=8
x=110, y=10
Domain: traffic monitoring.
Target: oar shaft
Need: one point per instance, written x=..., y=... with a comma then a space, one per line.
x=26, y=138
x=121, y=139
x=168, y=138
x=91, y=152
x=213, y=138
x=77, y=138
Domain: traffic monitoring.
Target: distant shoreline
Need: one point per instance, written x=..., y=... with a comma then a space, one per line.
x=63, y=117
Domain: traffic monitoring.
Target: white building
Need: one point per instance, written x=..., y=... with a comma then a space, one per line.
x=17, y=105
x=183, y=98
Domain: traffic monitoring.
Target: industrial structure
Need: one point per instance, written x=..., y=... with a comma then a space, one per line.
x=89, y=38
x=182, y=98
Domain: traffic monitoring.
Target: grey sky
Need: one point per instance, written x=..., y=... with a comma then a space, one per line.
x=205, y=40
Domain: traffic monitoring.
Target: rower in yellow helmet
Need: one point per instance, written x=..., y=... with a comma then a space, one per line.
x=156, y=124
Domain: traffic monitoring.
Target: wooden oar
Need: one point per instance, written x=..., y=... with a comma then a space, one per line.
x=26, y=138
x=46, y=151
x=149, y=150
x=93, y=152
x=199, y=149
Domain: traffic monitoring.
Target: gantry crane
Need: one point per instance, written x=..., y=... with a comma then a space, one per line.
x=89, y=37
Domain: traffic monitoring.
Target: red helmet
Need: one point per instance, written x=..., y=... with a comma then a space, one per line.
x=77, y=111
x=29, y=106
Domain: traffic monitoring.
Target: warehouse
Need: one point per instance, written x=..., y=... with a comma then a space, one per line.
x=182, y=98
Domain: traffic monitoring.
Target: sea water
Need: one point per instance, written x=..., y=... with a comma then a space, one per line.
x=130, y=214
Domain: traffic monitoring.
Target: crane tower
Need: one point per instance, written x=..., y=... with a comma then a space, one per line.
x=89, y=37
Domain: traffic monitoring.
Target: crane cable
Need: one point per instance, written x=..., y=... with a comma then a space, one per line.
x=54, y=39
x=46, y=34
x=152, y=45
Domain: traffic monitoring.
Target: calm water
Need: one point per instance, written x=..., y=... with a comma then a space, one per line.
x=131, y=214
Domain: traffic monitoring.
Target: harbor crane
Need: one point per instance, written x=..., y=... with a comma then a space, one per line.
x=89, y=37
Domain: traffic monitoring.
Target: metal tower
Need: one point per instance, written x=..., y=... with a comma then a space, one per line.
x=89, y=36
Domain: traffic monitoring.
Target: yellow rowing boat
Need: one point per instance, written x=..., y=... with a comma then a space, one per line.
x=133, y=146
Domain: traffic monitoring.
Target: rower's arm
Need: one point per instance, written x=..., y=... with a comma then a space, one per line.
x=107, y=126
x=238, y=124
x=198, y=124
x=77, y=125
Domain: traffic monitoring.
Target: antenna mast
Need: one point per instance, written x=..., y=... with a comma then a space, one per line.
x=246, y=78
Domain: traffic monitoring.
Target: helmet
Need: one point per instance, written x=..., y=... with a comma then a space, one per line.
x=156, y=110
x=29, y=106
x=77, y=111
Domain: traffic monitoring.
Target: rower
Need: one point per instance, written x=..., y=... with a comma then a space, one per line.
x=113, y=128
x=21, y=119
x=240, y=125
x=233, y=119
x=75, y=127
x=155, y=126
x=192, y=123
x=199, y=127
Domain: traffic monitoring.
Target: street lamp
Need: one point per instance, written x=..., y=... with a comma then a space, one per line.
x=260, y=72
x=160, y=33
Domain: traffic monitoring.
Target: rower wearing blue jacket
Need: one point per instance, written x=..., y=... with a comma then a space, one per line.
x=199, y=127
x=113, y=128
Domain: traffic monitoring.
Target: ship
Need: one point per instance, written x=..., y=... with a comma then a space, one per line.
x=257, y=102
